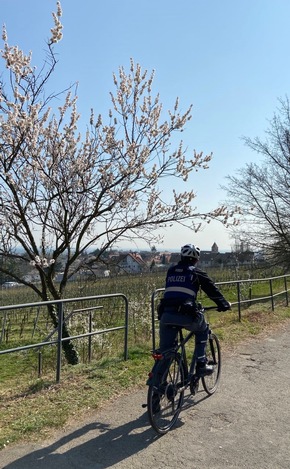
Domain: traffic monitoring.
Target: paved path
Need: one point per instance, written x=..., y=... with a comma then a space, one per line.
x=246, y=424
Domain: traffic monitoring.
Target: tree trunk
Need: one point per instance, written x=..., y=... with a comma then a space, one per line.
x=68, y=347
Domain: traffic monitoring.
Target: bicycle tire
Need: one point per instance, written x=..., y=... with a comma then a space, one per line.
x=165, y=395
x=213, y=353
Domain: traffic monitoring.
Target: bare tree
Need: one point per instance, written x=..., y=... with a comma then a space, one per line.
x=62, y=193
x=262, y=190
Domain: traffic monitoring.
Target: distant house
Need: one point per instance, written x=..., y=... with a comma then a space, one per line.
x=210, y=259
x=216, y=259
x=132, y=263
x=174, y=258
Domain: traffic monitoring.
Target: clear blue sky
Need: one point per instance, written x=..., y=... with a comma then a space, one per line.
x=230, y=59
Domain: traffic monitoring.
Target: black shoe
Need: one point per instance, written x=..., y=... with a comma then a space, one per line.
x=202, y=369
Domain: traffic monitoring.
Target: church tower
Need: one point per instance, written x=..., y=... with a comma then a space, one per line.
x=215, y=248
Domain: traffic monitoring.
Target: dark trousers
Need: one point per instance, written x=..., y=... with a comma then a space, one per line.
x=168, y=333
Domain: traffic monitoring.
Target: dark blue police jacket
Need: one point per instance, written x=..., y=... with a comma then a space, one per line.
x=181, y=283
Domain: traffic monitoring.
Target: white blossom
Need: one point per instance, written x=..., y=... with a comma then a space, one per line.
x=63, y=191
x=56, y=31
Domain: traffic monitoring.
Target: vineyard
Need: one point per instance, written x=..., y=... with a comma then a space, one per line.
x=20, y=327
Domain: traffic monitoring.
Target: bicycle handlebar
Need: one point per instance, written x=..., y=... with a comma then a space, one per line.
x=207, y=308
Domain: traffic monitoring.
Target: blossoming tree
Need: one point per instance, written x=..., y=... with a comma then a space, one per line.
x=61, y=192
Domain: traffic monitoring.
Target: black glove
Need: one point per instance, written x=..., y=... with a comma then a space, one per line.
x=225, y=306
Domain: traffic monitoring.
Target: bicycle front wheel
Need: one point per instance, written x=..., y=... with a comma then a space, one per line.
x=213, y=355
x=165, y=395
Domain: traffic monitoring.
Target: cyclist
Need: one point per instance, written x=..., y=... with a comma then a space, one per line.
x=179, y=307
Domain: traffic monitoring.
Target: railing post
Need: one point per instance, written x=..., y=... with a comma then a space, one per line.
x=286, y=290
x=3, y=327
x=153, y=319
x=39, y=363
x=90, y=338
x=239, y=300
x=59, y=340
x=126, y=328
x=271, y=294
x=250, y=295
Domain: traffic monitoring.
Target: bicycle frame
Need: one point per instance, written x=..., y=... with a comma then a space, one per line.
x=171, y=377
x=181, y=341
x=181, y=346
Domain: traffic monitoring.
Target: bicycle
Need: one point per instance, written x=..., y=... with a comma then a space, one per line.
x=171, y=376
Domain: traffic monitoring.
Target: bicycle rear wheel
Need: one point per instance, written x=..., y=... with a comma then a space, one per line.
x=165, y=395
x=213, y=354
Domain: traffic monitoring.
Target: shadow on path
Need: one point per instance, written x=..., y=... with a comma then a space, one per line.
x=95, y=445
x=98, y=444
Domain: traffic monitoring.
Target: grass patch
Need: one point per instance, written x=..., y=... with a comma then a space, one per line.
x=30, y=409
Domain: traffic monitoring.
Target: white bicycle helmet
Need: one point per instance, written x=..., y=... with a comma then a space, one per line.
x=190, y=251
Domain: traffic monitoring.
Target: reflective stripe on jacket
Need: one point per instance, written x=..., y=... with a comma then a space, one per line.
x=181, y=283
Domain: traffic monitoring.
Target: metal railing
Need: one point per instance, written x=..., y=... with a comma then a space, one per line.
x=251, y=300
x=240, y=302
x=58, y=341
